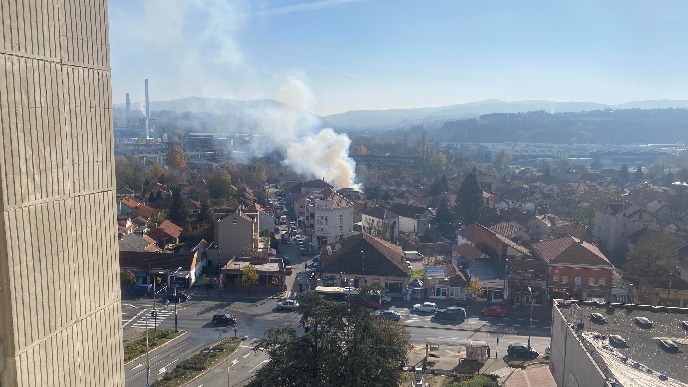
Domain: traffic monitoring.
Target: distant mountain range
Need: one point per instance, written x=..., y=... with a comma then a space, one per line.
x=398, y=118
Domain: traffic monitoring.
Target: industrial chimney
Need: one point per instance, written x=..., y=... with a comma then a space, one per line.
x=126, y=114
x=147, y=110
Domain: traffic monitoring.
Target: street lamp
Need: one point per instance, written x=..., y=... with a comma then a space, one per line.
x=147, y=363
x=363, y=255
x=176, y=299
x=530, y=327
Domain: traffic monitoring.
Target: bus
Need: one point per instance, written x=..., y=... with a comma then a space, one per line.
x=339, y=294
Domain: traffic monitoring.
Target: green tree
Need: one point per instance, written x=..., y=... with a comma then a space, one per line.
x=502, y=159
x=469, y=200
x=624, y=175
x=646, y=261
x=178, y=210
x=176, y=158
x=382, y=230
x=129, y=173
x=443, y=221
x=544, y=164
x=639, y=176
x=126, y=278
x=206, y=212
x=344, y=346
x=220, y=185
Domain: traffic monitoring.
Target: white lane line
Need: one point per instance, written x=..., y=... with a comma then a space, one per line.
x=234, y=362
x=138, y=366
x=259, y=364
x=133, y=318
x=247, y=355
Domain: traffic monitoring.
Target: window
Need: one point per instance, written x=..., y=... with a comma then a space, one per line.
x=591, y=281
x=603, y=282
x=555, y=278
x=578, y=281
x=564, y=279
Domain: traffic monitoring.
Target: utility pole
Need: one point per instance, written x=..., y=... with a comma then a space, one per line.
x=363, y=255
x=147, y=363
x=155, y=312
x=530, y=326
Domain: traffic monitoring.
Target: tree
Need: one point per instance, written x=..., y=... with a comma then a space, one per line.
x=502, y=158
x=596, y=163
x=176, y=158
x=178, y=210
x=344, y=345
x=129, y=173
x=220, y=185
x=126, y=278
x=647, y=261
x=623, y=173
x=543, y=165
x=475, y=287
x=361, y=150
x=682, y=175
x=249, y=251
x=382, y=230
x=250, y=275
x=563, y=162
x=443, y=221
x=206, y=212
x=639, y=176
x=469, y=200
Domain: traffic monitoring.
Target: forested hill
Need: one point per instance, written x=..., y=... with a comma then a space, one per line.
x=630, y=126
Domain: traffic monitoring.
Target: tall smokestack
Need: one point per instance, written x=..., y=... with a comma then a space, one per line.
x=147, y=101
x=126, y=114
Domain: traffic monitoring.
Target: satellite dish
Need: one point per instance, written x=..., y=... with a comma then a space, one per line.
x=329, y=250
x=337, y=247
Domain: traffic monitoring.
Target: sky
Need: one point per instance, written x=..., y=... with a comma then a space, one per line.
x=385, y=54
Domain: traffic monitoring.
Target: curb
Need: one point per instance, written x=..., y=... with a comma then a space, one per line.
x=211, y=368
x=183, y=333
x=460, y=329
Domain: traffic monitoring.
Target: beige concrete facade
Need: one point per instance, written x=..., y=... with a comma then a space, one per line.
x=60, y=312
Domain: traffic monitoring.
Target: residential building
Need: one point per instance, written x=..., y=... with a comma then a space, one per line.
x=304, y=187
x=146, y=266
x=271, y=274
x=60, y=309
x=411, y=219
x=330, y=217
x=133, y=242
x=615, y=222
x=671, y=290
x=585, y=354
x=257, y=212
x=380, y=222
x=234, y=234
x=576, y=269
x=541, y=225
x=166, y=234
x=363, y=258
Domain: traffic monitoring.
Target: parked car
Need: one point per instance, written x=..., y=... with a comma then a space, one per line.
x=224, y=319
x=452, y=313
x=287, y=305
x=462, y=302
x=643, y=322
x=316, y=258
x=668, y=345
x=597, y=318
x=428, y=307
x=287, y=270
x=140, y=290
x=617, y=341
x=385, y=298
x=286, y=261
x=390, y=314
x=494, y=310
x=521, y=351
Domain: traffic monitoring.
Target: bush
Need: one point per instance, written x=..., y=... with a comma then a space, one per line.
x=191, y=367
x=472, y=380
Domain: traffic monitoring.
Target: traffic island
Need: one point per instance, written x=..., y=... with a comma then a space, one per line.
x=156, y=338
x=191, y=368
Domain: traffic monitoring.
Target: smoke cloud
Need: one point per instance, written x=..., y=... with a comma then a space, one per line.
x=190, y=29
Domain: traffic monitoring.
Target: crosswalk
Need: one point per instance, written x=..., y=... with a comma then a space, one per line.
x=146, y=318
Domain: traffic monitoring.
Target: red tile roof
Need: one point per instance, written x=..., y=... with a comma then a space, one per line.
x=468, y=251
x=338, y=200
x=379, y=257
x=570, y=250
x=170, y=228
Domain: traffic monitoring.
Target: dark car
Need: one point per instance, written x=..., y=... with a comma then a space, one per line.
x=224, y=319
x=521, y=351
x=462, y=302
x=140, y=290
x=286, y=261
x=452, y=313
x=390, y=314
x=181, y=297
x=597, y=318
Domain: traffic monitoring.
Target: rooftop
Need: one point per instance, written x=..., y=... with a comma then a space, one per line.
x=642, y=346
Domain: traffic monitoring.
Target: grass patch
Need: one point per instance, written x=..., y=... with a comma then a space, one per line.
x=521, y=363
x=471, y=380
x=156, y=338
x=190, y=368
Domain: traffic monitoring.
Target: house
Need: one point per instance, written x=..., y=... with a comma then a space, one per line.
x=133, y=242
x=234, y=234
x=124, y=192
x=541, y=225
x=380, y=222
x=669, y=291
x=310, y=186
x=147, y=266
x=363, y=258
x=576, y=269
x=662, y=242
x=489, y=200
x=497, y=246
x=193, y=206
x=466, y=252
x=330, y=217
x=166, y=234
x=125, y=226
x=512, y=230
x=569, y=172
x=411, y=219
x=271, y=274
x=614, y=222
x=258, y=213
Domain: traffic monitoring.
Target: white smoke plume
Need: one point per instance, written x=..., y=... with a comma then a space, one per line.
x=294, y=131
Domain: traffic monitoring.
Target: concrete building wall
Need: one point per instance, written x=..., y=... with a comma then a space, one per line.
x=233, y=234
x=60, y=313
x=570, y=363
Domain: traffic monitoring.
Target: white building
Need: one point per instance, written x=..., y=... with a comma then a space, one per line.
x=330, y=217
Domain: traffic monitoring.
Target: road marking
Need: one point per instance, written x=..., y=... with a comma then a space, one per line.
x=138, y=366
x=133, y=318
x=161, y=371
x=259, y=364
x=247, y=355
x=234, y=362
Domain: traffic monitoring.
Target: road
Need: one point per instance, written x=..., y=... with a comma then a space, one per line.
x=236, y=371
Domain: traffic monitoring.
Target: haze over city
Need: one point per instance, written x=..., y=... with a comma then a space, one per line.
x=400, y=54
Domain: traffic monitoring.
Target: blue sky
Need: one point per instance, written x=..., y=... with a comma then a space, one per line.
x=382, y=54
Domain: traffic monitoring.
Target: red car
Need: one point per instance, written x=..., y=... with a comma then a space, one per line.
x=495, y=310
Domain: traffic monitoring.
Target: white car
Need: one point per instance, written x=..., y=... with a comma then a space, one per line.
x=287, y=305
x=428, y=307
